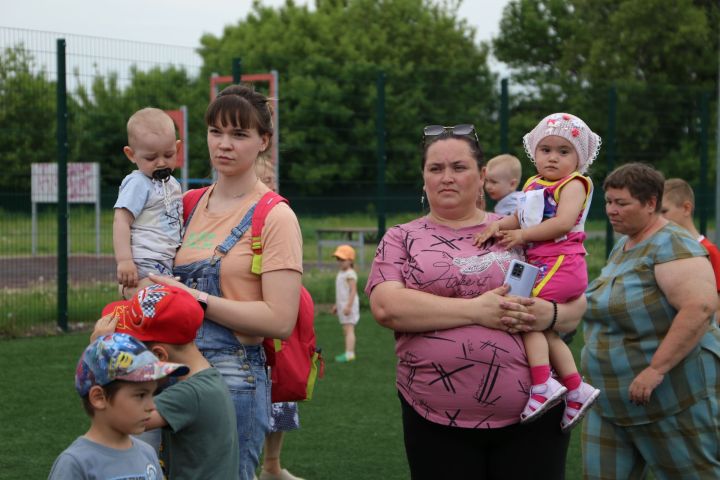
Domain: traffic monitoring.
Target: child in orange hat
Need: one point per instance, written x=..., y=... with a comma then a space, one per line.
x=347, y=304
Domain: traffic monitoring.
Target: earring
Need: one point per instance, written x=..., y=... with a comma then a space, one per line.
x=422, y=201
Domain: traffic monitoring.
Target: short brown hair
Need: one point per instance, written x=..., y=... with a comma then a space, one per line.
x=110, y=390
x=642, y=181
x=678, y=191
x=241, y=106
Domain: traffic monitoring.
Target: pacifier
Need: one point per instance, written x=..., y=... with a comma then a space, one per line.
x=162, y=174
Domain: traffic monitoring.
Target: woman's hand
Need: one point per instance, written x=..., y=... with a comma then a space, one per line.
x=172, y=282
x=501, y=312
x=643, y=385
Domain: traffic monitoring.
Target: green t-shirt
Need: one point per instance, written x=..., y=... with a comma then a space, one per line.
x=201, y=438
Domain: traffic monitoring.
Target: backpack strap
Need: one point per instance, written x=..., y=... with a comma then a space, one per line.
x=190, y=201
x=264, y=205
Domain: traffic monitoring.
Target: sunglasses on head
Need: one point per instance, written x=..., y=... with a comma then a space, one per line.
x=462, y=130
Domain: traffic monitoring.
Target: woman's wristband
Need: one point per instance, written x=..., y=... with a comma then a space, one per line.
x=554, y=319
x=202, y=299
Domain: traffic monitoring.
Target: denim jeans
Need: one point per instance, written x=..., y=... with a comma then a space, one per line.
x=242, y=366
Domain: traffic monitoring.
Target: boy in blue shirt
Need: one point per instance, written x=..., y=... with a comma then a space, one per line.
x=115, y=377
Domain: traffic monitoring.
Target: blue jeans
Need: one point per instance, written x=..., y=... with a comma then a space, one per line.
x=242, y=366
x=245, y=374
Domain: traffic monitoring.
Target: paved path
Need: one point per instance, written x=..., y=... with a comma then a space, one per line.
x=29, y=271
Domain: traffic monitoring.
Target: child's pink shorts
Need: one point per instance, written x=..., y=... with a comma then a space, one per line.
x=562, y=278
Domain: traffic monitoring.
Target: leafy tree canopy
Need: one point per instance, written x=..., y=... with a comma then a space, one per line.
x=661, y=57
x=27, y=117
x=329, y=60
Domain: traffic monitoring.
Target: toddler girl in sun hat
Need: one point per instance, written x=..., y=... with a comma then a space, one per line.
x=550, y=223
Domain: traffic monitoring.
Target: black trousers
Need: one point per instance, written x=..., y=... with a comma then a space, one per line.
x=523, y=452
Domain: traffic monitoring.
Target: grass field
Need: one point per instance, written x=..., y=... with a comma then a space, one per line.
x=351, y=429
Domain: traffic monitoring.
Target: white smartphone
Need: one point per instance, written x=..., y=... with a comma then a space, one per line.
x=521, y=277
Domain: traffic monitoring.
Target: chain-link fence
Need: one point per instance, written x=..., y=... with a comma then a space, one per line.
x=349, y=154
x=106, y=81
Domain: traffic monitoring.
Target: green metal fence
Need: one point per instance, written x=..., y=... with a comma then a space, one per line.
x=65, y=99
x=355, y=156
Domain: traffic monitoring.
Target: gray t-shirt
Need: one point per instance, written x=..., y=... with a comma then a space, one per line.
x=201, y=439
x=157, y=208
x=87, y=460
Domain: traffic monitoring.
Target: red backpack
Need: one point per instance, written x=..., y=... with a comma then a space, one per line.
x=296, y=361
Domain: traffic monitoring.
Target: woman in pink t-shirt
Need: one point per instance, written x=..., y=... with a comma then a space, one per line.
x=462, y=374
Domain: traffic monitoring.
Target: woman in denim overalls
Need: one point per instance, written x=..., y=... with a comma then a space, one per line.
x=215, y=261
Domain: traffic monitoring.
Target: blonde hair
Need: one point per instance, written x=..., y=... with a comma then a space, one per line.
x=510, y=162
x=265, y=170
x=149, y=119
x=679, y=191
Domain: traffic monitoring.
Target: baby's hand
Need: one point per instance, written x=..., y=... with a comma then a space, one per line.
x=127, y=273
x=511, y=238
x=489, y=232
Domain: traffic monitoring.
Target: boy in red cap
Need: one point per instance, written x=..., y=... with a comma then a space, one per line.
x=199, y=438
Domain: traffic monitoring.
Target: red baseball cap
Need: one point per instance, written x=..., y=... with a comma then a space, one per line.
x=158, y=313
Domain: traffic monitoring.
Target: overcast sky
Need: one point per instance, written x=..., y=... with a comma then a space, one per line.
x=174, y=22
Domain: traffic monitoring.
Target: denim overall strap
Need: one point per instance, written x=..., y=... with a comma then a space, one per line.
x=204, y=275
x=234, y=236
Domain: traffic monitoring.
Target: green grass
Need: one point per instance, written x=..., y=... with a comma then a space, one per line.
x=16, y=233
x=34, y=310
x=352, y=427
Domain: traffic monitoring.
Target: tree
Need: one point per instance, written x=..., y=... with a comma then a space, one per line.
x=329, y=60
x=660, y=55
x=27, y=118
x=99, y=114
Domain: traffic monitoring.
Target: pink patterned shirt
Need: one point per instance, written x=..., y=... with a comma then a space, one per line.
x=469, y=377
